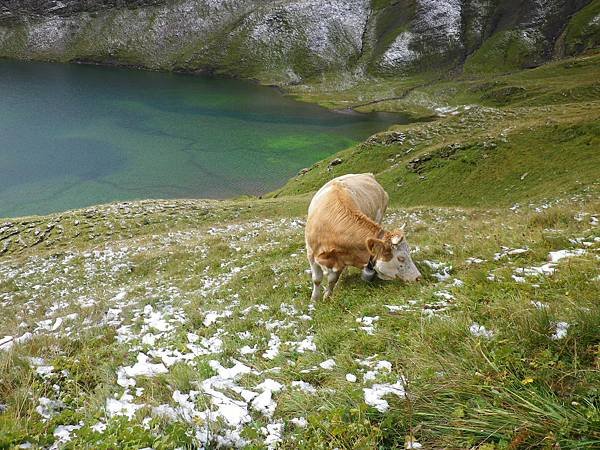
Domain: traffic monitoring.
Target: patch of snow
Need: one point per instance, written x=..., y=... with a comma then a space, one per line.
x=141, y=368
x=264, y=403
x=328, y=364
x=561, y=331
x=269, y=385
x=368, y=323
x=474, y=260
x=211, y=317
x=122, y=406
x=63, y=432
x=444, y=294
x=518, y=279
x=306, y=345
x=247, y=350
x=273, y=434
x=48, y=408
x=507, y=251
x=273, y=350
x=539, y=305
x=480, y=331
x=554, y=257
x=412, y=444
x=232, y=373
x=304, y=386
x=374, y=395
x=300, y=422
x=399, y=52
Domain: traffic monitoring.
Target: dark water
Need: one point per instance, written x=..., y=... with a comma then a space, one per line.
x=73, y=136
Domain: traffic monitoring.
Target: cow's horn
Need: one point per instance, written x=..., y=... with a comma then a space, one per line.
x=403, y=226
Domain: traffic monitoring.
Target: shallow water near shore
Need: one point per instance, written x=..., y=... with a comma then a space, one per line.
x=74, y=135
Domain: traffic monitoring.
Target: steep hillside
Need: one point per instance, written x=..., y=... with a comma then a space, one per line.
x=498, y=140
x=299, y=41
x=185, y=323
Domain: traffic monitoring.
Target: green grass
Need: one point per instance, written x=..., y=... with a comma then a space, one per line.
x=463, y=390
x=583, y=31
x=540, y=125
x=518, y=169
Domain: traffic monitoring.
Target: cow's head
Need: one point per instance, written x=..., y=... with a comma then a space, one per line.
x=392, y=257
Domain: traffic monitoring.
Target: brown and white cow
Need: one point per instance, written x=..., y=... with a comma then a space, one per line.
x=343, y=229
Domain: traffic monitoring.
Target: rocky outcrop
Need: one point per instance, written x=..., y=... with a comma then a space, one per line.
x=289, y=41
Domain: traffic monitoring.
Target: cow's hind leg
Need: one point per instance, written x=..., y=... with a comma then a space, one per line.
x=332, y=278
x=317, y=277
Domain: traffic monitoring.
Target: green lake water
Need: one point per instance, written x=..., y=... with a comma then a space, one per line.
x=72, y=136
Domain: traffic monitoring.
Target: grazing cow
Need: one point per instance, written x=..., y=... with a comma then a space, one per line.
x=343, y=229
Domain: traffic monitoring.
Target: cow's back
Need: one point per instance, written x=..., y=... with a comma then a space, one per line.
x=326, y=224
x=366, y=193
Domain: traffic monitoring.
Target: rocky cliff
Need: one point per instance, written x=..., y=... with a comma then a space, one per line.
x=290, y=41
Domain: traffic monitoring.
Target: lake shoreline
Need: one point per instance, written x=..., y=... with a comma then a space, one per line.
x=212, y=74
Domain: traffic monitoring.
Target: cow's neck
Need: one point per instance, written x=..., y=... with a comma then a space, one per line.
x=364, y=229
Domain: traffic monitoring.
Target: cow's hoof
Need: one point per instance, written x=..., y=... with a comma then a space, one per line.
x=368, y=275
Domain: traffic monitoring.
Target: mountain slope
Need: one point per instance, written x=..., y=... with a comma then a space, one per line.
x=293, y=41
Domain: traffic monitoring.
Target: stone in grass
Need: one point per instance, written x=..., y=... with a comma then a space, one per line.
x=335, y=162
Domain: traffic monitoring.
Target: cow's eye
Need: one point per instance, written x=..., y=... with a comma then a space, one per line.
x=401, y=259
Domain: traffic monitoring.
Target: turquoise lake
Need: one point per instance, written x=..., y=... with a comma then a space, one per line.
x=73, y=136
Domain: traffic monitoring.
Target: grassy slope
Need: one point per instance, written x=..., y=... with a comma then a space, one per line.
x=542, y=125
x=516, y=389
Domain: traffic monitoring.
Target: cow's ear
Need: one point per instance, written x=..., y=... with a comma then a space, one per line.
x=375, y=246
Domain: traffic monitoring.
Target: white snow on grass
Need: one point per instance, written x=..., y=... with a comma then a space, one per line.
x=368, y=324
x=48, y=408
x=144, y=368
x=273, y=350
x=63, y=432
x=560, y=331
x=304, y=387
x=547, y=269
x=507, y=251
x=480, y=331
x=539, y=305
x=474, y=260
x=273, y=433
x=303, y=346
x=554, y=257
x=122, y=406
x=374, y=395
x=411, y=443
x=7, y=342
x=211, y=317
x=300, y=422
x=328, y=364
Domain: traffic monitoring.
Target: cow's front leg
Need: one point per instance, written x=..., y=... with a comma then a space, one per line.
x=332, y=278
x=317, y=277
